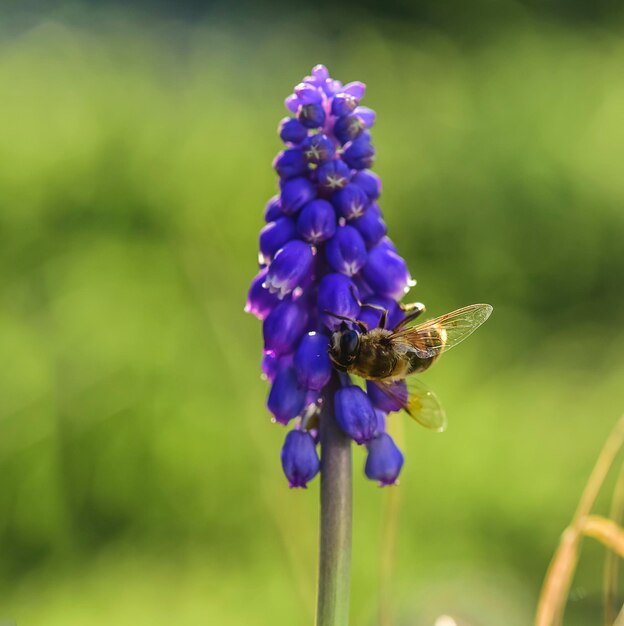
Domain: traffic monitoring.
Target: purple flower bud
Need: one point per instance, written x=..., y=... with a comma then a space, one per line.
x=355, y=89
x=292, y=130
x=290, y=163
x=283, y=327
x=312, y=362
x=300, y=460
x=292, y=103
x=308, y=94
x=260, y=301
x=369, y=182
x=387, y=244
x=383, y=401
x=348, y=127
x=333, y=175
x=346, y=251
x=366, y=115
x=350, y=201
x=384, y=460
x=317, y=221
x=311, y=115
x=295, y=192
x=371, y=317
x=320, y=73
x=371, y=225
x=381, y=422
x=343, y=104
x=334, y=295
x=386, y=272
x=312, y=397
x=290, y=267
x=286, y=398
x=332, y=87
x=274, y=235
x=358, y=154
x=273, y=209
x=355, y=414
x=318, y=148
x=272, y=364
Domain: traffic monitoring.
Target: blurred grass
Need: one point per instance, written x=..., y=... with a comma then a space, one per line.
x=140, y=478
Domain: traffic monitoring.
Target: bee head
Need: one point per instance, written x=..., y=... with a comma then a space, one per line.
x=344, y=347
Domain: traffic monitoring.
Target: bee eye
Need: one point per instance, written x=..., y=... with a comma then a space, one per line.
x=349, y=343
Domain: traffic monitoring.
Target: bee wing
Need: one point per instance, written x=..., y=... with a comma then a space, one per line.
x=448, y=330
x=420, y=403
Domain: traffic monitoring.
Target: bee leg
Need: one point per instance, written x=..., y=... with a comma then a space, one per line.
x=384, y=312
x=412, y=306
x=413, y=310
x=361, y=325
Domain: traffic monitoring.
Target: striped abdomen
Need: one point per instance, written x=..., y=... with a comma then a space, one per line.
x=431, y=340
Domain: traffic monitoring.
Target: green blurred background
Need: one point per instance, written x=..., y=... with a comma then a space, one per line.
x=139, y=472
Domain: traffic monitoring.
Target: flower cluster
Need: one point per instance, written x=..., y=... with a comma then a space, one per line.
x=324, y=248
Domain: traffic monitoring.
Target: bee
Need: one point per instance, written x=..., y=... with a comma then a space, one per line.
x=389, y=357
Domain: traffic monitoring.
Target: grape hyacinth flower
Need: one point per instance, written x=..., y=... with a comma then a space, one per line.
x=323, y=247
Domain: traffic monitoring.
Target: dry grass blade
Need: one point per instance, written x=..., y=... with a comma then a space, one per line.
x=563, y=565
x=612, y=562
x=606, y=531
x=619, y=621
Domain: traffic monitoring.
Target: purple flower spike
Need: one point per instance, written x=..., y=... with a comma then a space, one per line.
x=300, y=460
x=384, y=460
x=311, y=115
x=318, y=149
x=335, y=296
x=283, y=327
x=260, y=301
x=346, y=251
x=386, y=272
x=333, y=175
x=290, y=268
x=355, y=413
x=273, y=209
x=317, y=221
x=371, y=225
x=295, y=193
x=350, y=202
x=292, y=130
x=290, y=163
x=286, y=398
x=274, y=235
x=359, y=153
x=348, y=127
x=324, y=249
x=384, y=402
x=369, y=182
x=312, y=362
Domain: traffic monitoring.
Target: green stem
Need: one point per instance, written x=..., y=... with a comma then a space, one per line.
x=335, y=524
